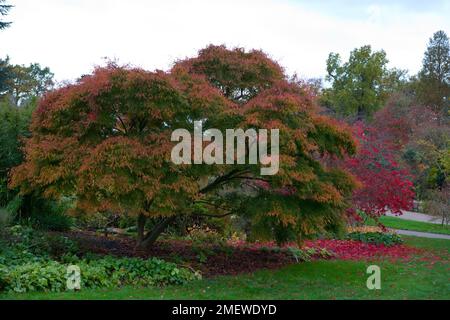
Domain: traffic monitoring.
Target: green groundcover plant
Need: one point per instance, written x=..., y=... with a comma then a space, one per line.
x=30, y=262
x=387, y=239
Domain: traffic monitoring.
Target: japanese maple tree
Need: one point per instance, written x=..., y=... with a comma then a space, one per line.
x=386, y=184
x=107, y=141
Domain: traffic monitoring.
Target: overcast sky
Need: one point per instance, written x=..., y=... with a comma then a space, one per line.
x=71, y=36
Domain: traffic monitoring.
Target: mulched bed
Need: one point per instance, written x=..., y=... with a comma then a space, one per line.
x=221, y=262
x=239, y=257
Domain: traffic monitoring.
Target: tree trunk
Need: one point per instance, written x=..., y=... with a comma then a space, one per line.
x=360, y=114
x=300, y=241
x=141, y=227
x=146, y=241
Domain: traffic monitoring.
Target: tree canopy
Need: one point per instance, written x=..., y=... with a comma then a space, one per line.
x=434, y=78
x=20, y=83
x=106, y=140
x=360, y=86
x=4, y=9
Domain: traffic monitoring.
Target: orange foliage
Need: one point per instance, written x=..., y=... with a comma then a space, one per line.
x=106, y=140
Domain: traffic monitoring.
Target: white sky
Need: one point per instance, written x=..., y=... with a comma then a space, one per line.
x=71, y=36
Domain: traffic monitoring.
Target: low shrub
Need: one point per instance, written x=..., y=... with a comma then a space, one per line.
x=364, y=229
x=14, y=205
x=52, y=216
x=101, y=221
x=5, y=217
x=299, y=255
x=308, y=254
x=205, y=236
x=22, y=244
x=52, y=221
x=31, y=260
x=35, y=276
x=97, y=273
x=205, y=242
x=387, y=239
x=42, y=214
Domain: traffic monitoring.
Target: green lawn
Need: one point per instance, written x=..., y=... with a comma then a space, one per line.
x=436, y=245
x=312, y=280
x=397, y=223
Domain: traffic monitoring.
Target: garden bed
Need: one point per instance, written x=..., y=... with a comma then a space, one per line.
x=211, y=261
x=238, y=257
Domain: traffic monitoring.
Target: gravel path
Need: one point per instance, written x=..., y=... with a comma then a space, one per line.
x=422, y=234
x=416, y=216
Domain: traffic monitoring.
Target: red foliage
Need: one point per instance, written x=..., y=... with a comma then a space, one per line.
x=345, y=249
x=386, y=185
x=356, y=250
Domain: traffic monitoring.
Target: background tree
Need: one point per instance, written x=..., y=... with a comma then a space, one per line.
x=106, y=140
x=427, y=153
x=360, y=86
x=22, y=83
x=14, y=126
x=5, y=75
x=411, y=136
x=438, y=204
x=434, y=78
x=4, y=9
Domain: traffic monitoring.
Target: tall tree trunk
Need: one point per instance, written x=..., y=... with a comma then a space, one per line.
x=141, y=227
x=146, y=241
x=360, y=114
